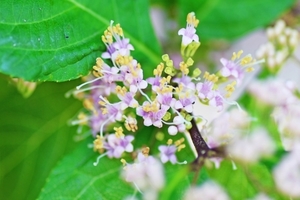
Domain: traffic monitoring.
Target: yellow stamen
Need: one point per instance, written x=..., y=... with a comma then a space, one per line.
x=119, y=132
x=170, y=141
x=98, y=144
x=145, y=151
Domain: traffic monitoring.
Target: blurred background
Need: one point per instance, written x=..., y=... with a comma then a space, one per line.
x=34, y=131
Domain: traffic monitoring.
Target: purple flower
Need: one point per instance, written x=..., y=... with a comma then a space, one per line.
x=116, y=146
x=152, y=113
x=186, y=81
x=155, y=82
x=205, y=90
x=186, y=101
x=231, y=69
x=188, y=35
x=114, y=111
x=120, y=47
x=167, y=153
x=127, y=100
x=166, y=99
x=217, y=101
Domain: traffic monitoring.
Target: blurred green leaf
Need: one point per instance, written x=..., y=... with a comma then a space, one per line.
x=77, y=178
x=34, y=135
x=60, y=40
x=246, y=181
x=230, y=19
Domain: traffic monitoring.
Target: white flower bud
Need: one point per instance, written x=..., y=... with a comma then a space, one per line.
x=282, y=39
x=270, y=33
x=287, y=31
x=279, y=27
x=208, y=190
x=270, y=49
x=260, y=53
x=280, y=57
x=271, y=62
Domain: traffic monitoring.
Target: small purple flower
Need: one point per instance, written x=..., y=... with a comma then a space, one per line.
x=205, y=90
x=121, y=47
x=186, y=101
x=152, y=113
x=114, y=111
x=166, y=99
x=232, y=70
x=186, y=81
x=167, y=153
x=217, y=101
x=127, y=100
x=116, y=146
x=155, y=82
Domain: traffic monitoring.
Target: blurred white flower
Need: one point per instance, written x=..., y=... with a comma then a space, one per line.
x=288, y=118
x=208, y=191
x=251, y=147
x=287, y=173
x=226, y=126
x=261, y=196
x=146, y=174
x=272, y=92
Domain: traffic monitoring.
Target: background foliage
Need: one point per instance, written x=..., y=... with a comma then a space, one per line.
x=59, y=41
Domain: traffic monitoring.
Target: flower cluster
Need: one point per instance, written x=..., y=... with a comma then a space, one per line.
x=119, y=98
x=282, y=43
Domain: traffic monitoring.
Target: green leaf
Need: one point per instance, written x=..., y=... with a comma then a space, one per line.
x=246, y=181
x=77, y=178
x=34, y=136
x=230, y=19
x=60, y=40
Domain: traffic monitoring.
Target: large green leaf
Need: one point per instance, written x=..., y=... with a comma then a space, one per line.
x=230, y=19
x=75, y=177
x=60, y=40
x=34, y=135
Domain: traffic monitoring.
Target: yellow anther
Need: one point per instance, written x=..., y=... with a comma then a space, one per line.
x=184, y=68
x=98, y=144
x=118, y=30
x=249, y=69
x=230, y=89
x=119, y=132
x=131, y=124
x=123, y=161
x=236, y=55
x=98, y=67
x=104, y=111
x=191, y=19
x=170, y=141
x=88, y=104
x=121, y=90
x=211, y=77
x=82, y=118
x=145, y=151
x=179, y=88
x=246, y=60
x=159, y=69
x=179, y=142
x=180, y=147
